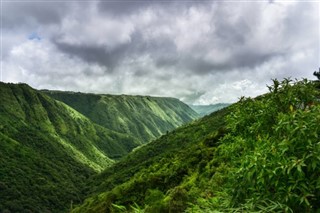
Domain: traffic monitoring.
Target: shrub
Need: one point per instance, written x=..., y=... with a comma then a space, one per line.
x=275, y=146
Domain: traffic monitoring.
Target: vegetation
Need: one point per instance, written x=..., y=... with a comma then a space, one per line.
x=48, y=150
x=143, y=117
x=317, y=74
x=259, y=155
x=159, y=175
x=204, y=110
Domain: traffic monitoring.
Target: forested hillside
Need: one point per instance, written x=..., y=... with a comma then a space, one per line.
x=143, y=117
x=48, y=150
x=258, y=155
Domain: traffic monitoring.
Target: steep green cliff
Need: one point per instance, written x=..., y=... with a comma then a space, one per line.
x=143, y=117
x=47, y=150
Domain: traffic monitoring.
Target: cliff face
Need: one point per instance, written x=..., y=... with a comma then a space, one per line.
x=143, y=117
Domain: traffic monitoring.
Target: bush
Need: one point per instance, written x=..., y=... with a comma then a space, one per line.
x=275, y=141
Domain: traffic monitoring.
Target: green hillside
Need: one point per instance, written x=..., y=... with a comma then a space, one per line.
x=203, y=110
x=48, y=150
x=143, y=117
x=259, y=155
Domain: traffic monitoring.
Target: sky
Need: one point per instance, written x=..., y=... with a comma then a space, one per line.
x=201, y=52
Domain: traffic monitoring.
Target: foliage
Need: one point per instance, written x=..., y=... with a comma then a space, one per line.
x=48, y=150
x=317, y=74
x=258, y=155
x=263, y=158
x=275, y=149
x=160, y=176
x=143, y=117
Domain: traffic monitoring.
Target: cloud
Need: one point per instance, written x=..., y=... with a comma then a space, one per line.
x=20, y=14
x=199, y=51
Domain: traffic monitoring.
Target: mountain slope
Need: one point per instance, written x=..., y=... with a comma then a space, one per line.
x=47, y=150
x=259, y=155
x=143, y=117
x=203, y=110
x=155, y=171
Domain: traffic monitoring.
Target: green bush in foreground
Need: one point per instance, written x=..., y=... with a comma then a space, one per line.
x=274, y=150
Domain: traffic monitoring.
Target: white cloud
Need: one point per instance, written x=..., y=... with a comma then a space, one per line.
x=205, y=52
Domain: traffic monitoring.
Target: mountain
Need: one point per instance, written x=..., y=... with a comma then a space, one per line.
x=158, y=175
x=143, y=117
x=48, y=150
x=203, y=110
x=258, y=155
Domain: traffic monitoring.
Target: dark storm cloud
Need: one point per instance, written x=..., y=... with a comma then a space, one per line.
x=128, y=7
x=17, y=14
x=163, y=51
x=108, y=58
x=123, y=8
x=240, y=60
x=100, y=55
x=229, y=34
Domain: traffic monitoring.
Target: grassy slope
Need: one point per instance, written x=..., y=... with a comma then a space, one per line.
x=47, y=150
x=259, y=155
x=203, y=110
x=156, y=171
x=143, y=117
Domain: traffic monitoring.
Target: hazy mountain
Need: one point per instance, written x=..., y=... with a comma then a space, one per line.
x=143, y=117
x=203, y=110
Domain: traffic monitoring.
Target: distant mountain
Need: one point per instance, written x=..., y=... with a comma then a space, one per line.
x=143, y=117
x=203, y=110
x=48, y=149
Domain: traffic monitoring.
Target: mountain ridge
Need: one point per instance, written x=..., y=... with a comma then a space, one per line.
x=144, y=117
x=48, y=150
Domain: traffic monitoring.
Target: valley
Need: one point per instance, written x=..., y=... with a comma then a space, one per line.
x=251, y=156
x=49, y=149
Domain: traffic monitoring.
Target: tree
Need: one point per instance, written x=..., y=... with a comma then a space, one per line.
x=317, y=74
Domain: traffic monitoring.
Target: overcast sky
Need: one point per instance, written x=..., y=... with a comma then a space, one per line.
x=202, y=52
